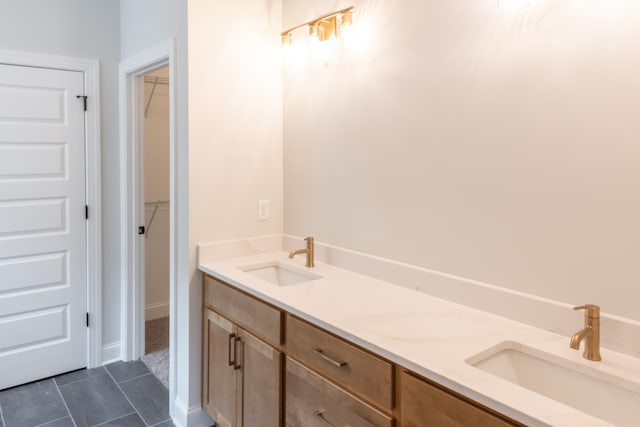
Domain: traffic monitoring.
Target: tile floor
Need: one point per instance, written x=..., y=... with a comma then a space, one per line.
x=117, y=395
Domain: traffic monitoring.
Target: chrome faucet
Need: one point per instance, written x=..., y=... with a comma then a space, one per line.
x=308, y=250
x=590, y=334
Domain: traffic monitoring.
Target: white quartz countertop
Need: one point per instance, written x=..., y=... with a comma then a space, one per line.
x=430, y=336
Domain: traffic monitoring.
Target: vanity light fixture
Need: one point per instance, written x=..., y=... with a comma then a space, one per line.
x=286, y=38
x=326, y=27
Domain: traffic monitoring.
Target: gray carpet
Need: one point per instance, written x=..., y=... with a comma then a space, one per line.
x=157, y=348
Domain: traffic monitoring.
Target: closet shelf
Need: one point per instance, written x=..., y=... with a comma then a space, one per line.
x=155, y=80
x=157, y=203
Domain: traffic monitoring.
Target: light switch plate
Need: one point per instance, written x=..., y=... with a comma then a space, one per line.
x=263, y=210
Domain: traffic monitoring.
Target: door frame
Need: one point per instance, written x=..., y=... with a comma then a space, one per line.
x=93, y=185
x=132, y=208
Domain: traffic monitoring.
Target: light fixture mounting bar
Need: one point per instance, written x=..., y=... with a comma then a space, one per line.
x=318, y=20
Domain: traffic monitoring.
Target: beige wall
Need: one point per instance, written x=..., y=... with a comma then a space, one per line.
x=156, y=193
x=235, y=118
x=491, y=139
x=235, y=134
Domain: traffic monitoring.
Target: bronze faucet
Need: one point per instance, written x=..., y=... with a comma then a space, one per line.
x=590, y=334
x=308, y=250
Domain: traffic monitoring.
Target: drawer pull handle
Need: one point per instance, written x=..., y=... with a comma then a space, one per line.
x=232, y=361
x=320, y=352
x=320, y=415
x=236, y=364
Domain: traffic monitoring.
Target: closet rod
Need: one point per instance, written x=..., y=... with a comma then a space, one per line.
x=158, y=80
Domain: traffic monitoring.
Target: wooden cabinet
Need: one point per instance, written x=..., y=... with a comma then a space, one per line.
x=264, y=320
x=316, y=379
x=313, y=401
x=354, y=369
x=220, y=379
x=261, y=368
x=241, y=374
x=426, y=404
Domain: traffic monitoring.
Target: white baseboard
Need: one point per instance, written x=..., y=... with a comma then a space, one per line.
x=111, y=353
x=156, y=311
x=555, y=316
x=194, y=416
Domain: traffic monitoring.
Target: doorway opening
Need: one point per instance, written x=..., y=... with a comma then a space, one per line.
x=157, y=215
x=135, y=216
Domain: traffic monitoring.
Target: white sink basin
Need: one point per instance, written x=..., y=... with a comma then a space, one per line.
x=279, y=274
x=608, y=397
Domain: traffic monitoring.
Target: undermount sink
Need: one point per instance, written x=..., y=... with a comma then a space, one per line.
x=279, y=274
x=611, y=398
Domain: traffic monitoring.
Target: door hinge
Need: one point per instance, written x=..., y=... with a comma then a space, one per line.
x=86, y=211
x=84, y=99
x=87, y=320
x=141, y=230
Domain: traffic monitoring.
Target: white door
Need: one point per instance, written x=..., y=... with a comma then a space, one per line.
x=43, y=289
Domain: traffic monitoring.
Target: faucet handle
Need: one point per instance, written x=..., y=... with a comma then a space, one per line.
x=591, y=310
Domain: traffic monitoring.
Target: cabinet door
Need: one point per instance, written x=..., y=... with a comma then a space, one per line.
x=220, y=382
x=425, y=405
x=260, y=382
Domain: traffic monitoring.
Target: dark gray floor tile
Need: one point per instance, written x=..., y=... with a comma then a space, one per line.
x=32, y=404
x=149, y=397
x=167, y=423
x=95, y=400
x=64, y=422
x=82, y=374
x=131, y=420
x=123, y=371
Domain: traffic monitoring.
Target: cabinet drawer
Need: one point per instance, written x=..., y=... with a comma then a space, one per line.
x=423, y=404
x=245, y=310
x=355, y=369
x=312, y=401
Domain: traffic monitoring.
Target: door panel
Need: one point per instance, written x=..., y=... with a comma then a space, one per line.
x=28, y=216
x=220, y=389
x=29, y=273
x=43, y=287
x=260, y=395
x=32, y=160
x=45, y=325
x=31, y=102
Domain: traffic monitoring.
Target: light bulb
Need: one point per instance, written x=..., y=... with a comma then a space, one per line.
x=313, y=31
x=286, y=39
x=346, y=20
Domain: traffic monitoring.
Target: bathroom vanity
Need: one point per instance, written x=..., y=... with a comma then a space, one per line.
x=263, y=366
x=287, y=345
